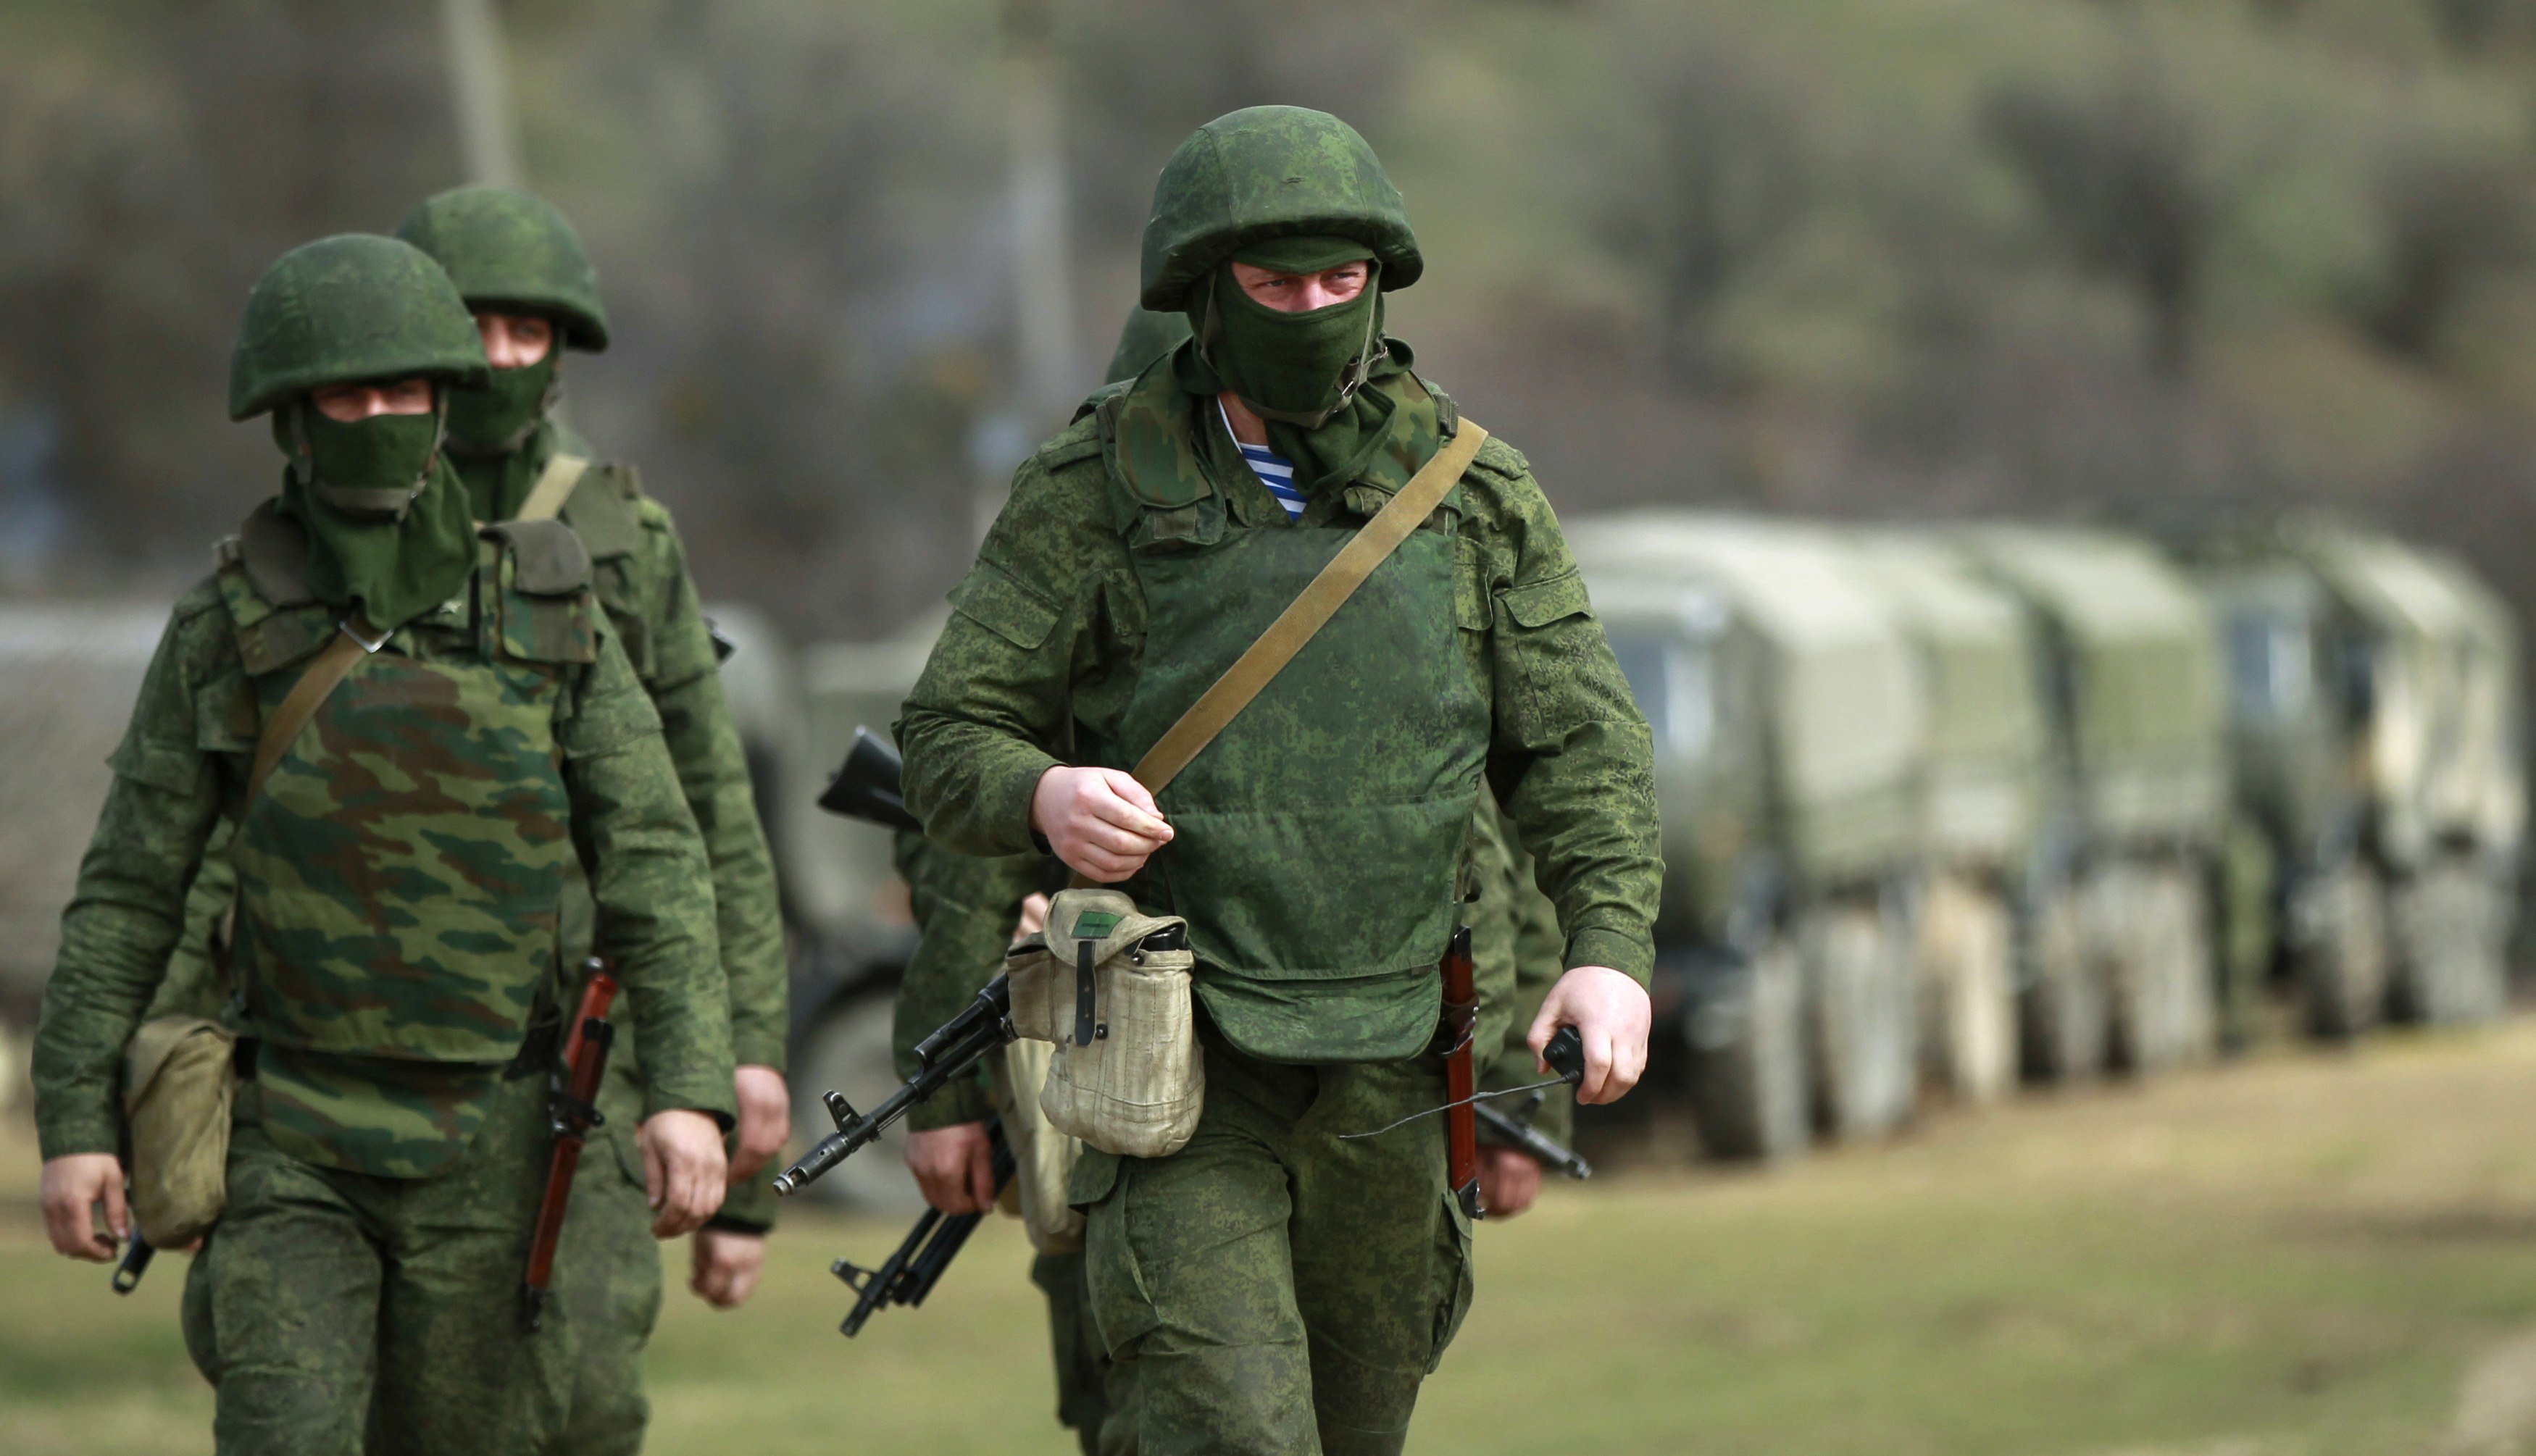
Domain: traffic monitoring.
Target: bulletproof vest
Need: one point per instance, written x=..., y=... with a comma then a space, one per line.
x=399, y=877
x=1319, y=839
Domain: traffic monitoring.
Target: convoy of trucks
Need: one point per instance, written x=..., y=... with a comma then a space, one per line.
x=1947, y=810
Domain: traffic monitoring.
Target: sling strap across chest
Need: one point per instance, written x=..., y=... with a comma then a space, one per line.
x=351, y=642
x=554, y=487
x=1309, y=611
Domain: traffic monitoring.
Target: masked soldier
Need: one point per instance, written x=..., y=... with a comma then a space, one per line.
x=415, y=728
x=1271, y=1287
x=521, y=268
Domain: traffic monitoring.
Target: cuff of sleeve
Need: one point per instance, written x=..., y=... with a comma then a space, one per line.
x=964, y=1101
x=1632, y=956
x=70, y=1136
x=757, y=1047
x=748, y=1209
x=708, y=1093
x=1005, y=808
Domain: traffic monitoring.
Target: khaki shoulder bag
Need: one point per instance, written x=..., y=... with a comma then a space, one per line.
x=179, y=1072
x=1108, y=986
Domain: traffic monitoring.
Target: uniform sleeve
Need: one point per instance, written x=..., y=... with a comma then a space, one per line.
x=713, y=772
x=129, y=907
x=965, y=912
x=1033, y=618
x=1572, y=760
x=649, y=877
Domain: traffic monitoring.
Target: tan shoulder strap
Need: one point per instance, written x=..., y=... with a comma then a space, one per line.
x=1264, y=658
x=316, y=684
x=554, y=487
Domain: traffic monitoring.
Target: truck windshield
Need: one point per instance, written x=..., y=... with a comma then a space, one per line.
x=2271, y=670
x=1674, y=680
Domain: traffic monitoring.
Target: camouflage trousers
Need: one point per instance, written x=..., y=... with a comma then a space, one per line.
x=1083, y=1371
x=607, y=1282
x=1271, y=1288
x=337, y=1312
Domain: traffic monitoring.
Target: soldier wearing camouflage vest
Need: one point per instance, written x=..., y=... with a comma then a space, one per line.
x=521, y=268
x=1271, y=1287
x=400, y=863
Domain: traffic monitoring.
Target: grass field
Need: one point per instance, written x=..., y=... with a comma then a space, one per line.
x=2306, y=1254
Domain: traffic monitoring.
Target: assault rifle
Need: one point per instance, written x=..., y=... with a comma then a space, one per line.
x=572, y=1102
x=907, y=1276
x=867, y=788
x=1515, y=1131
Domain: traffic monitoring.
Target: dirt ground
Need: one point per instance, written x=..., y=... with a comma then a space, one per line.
x=2307, y=1253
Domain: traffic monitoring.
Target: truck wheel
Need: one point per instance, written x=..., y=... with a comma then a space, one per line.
x=1861, y=1020
x=2061, y=1009
x=1747, y=1059
x=2340, y=951
x=1968, y=991
x=2451, y=926
x=848, y=1050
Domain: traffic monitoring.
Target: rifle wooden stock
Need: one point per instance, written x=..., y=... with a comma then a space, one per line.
x=574, y=1109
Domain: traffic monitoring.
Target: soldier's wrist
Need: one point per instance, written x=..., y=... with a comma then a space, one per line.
x=1632, y=956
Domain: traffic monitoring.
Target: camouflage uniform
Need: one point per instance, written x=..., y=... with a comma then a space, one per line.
x=1270, y=1288
x=397, y=929
x=514, y=253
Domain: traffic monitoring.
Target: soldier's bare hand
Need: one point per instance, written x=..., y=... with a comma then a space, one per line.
x=725, y=1266
x=683, y=1171
x=765, y=1119
x=1033, y=916
x=1509, y=1182
x=1099, y=821
x=955, y=1166
x=74, y=1188
x=1612, y=1014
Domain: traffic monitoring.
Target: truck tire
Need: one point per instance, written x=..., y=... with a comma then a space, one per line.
x=2152, y=932
x=2060, y=1007
x=1968, y=991
x=1747, y=1059
x=1862, y=1020
x=2339, y=951
x=2450, y=922
x=848, y=1049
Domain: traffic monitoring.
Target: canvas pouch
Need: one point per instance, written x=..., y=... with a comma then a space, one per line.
x=1109, y=987
x=180, y=1081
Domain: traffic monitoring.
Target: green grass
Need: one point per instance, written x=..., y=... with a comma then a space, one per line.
x=2303, y=1255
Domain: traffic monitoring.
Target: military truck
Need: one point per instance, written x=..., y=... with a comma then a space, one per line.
x=2118, y=956
x=2373, y=703
x=1982, y=781
x=1788, y=712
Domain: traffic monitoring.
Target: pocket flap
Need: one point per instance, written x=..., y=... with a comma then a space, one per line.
x=1544, y=603
x=998, y=604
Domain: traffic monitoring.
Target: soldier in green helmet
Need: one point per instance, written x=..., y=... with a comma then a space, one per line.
x=404, y=813
x=1271, y=1287
x=524, y=274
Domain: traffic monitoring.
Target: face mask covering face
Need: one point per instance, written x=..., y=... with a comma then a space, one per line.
x=388, y=525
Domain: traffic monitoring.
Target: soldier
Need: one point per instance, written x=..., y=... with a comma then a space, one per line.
x=1271, y=1288
x=521, y=268
x=398, y=858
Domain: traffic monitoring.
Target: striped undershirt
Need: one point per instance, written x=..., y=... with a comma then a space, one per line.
x=1274, y=470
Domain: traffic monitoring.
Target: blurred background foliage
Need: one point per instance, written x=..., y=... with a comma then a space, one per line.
x=2139, y=258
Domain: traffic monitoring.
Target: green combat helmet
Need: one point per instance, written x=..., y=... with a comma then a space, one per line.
x=344, y=309
x=503, y=247
x=1268, y=172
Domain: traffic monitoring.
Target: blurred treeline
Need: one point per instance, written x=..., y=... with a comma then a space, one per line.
x=2145, y=259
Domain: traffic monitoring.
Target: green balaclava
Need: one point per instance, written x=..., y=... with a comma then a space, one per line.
x=509, y=252
x=1310, y=376
x=387, y=520
x=491, y=426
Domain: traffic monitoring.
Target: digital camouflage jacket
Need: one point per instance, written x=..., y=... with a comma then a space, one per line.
x=1044, y=653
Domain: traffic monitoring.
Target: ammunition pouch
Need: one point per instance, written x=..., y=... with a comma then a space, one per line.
x=180, y=1081
x=1109, y=986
